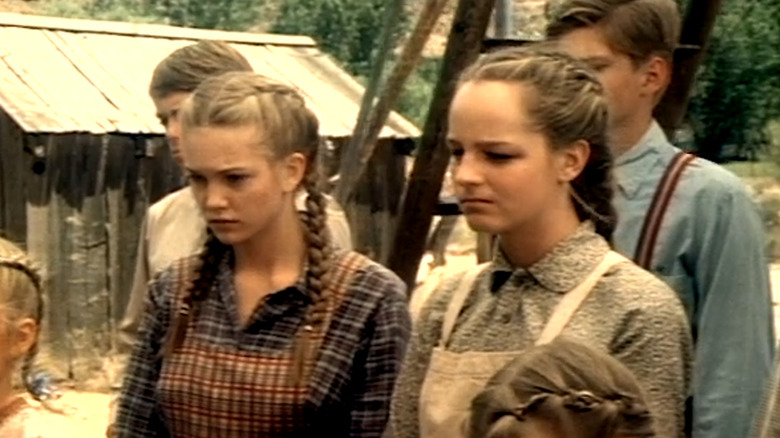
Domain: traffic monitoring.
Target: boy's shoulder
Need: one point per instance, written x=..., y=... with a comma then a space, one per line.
x=708, y=177
x=178, y=202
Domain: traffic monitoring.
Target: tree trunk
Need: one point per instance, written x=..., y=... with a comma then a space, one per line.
x=696, y=31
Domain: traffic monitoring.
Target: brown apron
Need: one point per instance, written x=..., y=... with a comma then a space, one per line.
x=454, y=379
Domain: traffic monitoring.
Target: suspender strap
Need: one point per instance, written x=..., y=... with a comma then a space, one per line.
x=573, y=299
x=561, y=315
x=657, y=210
x=458, y=299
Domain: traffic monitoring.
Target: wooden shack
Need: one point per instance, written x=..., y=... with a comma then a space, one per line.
x=82, y=155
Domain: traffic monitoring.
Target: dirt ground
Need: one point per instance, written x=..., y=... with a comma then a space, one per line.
x=87, y=414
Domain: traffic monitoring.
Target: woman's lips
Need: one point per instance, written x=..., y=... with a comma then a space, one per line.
x=222, y=222
x=474, y=201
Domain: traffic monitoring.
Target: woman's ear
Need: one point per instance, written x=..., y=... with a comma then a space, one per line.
x=572, y=160
x=23, y=336
x=293, y=171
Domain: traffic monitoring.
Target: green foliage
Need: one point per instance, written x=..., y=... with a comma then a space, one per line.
x=212, y=14
x=418, y=92
x=99, y=10
x=348, y=30
x=738, y=90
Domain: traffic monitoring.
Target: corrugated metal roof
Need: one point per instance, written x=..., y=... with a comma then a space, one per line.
x=65, y=75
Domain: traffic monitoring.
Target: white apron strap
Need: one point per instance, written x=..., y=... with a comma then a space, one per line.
x=456, y=302
x=574, y=298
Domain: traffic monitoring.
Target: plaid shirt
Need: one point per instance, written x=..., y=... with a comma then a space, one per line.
x=230, y=381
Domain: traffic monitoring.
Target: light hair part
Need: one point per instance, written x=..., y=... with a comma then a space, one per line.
x=185, y=68
x=286, y=127
x=639, y=29
x=566, y=104
x=573, y=390
x=246, y=99
x=21, y=296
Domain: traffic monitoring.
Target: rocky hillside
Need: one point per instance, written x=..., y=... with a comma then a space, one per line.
x=528, y=17
x=18, y=6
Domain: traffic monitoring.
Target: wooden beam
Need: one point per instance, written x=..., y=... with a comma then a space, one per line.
x=696, y=31
x=350, y=168
x=491, y=44
x=463, y=46
x=503, y=22
x=364, y=142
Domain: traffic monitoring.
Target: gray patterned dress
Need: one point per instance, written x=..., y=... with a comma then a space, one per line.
x=630, y=314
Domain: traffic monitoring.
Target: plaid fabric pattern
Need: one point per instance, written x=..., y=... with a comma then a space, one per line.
x=232, y=381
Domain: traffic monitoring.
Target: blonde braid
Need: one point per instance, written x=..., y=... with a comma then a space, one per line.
x=318, y=258
x=317, y=236
x=210, y=258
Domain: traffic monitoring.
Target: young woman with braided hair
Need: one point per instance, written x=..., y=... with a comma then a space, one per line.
x=563, y=389
x=21, y=313
x=173, y=227
x=531, y=166
x=269, y=331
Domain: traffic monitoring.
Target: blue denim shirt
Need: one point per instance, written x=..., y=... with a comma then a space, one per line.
x=710, y=250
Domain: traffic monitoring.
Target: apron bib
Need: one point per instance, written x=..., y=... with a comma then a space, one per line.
x=454, y=379
x=210, y=390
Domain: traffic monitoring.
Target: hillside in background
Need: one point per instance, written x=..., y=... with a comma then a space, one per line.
x=19, y=6
x=527, y=15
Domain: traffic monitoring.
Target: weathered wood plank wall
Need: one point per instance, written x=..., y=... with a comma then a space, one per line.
x=375, y=203
x=77, y=209
x=13, y=222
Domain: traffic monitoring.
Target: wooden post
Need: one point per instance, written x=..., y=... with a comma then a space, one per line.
x=696, y=31
x=364, y=145
x=349, y=169
x=485, y=245
x=503, y=20
x=463, y=45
